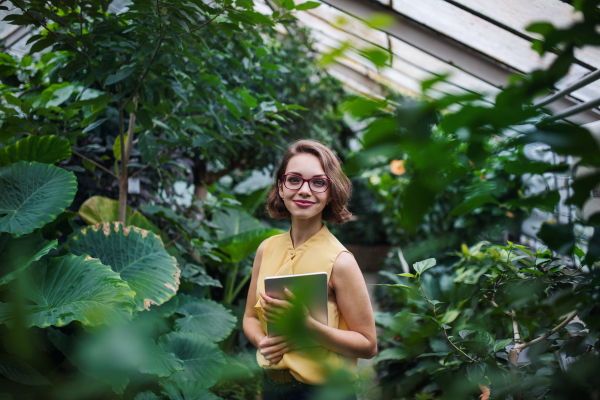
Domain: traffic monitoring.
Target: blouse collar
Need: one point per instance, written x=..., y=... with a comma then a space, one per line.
x=306, y=245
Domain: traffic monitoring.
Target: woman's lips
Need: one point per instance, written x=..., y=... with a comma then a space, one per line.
x=302, y=203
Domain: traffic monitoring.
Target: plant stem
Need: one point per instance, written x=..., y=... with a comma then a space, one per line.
x=230, y=284
x=95, y=163
x=438, y=321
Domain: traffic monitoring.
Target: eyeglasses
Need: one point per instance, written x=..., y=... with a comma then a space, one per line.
x=295, y=182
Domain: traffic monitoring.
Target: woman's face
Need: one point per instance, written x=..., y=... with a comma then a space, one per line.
x=304, y=203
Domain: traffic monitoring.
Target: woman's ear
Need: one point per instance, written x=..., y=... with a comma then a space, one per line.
x=280, y=189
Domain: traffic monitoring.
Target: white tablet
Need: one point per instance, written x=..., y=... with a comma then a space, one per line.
x=311, y=289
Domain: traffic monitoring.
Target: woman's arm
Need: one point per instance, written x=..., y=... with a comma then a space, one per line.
x=273, y=348
x=252, y=328
x=360, y=340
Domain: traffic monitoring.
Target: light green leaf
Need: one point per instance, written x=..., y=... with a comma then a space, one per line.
x=42, y=149
x=205, y=317
x=203, y=361
x=424, y=265
x=531, y=271
x=502, y=344
x=137, y=254
x=60, y=96
x=68, y=288
x=407, y=275
x=307, y=6
x=94, y=125
x=117, y=146
x=16, y=254
x=32, y=195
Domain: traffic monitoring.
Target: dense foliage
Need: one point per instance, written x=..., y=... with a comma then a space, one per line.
x=452, y=173
x=110, y=294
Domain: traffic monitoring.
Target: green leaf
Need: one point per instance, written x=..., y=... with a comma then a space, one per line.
x=68, y=288
x=424, y=265
x=578, y=252
x=42, y=149
x=531, y=271
x=18, y=370
x=203, y=361
x=16, y=254
x=117, y=146
x=407, y=275
x=558, y=237
x=99, y=209
x=475, y=370
x=194, y=391
x=32, y=195
x=392, y=353
x=450, y=316
x=144, y=118
x=93, y=125
x=119, y=76
x=501, y=345
x=148, y=148
x=70, y=347
x=60, y=95
x=147, y=395
x=309, y=5
x=205, y=317
x=556, y=269
x=466, y=332
x=137, y=254
x=473, y=203
x=241, y=233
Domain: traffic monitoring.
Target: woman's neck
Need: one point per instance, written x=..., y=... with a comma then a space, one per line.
x=304, y=229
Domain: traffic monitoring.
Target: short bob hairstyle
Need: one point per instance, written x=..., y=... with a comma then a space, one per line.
x=337, y=209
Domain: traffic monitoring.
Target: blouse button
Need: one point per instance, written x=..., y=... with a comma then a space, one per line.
x=291, y=252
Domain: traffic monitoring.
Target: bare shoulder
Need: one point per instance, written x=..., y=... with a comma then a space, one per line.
x=345, y=266
x=259, y=255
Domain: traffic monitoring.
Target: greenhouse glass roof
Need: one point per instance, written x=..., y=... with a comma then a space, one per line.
x=479, y=44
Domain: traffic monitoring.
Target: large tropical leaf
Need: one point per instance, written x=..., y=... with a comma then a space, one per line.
x=241, y=233
x=18, y=370
x=32, y=195
x=190, y=392
x=70, y=347
x=206, y=317
x=147, y=395
x=99, y=209
x=63, y=289
x=138, y=255
x=42, y=149
x=203, y=361
x=17, y=253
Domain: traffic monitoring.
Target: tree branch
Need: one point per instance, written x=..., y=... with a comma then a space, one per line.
x=94, y=162
x=443, y=329
x=206, y=23
x=568, y=319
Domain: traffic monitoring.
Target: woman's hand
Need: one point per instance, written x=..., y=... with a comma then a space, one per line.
x=273, y=348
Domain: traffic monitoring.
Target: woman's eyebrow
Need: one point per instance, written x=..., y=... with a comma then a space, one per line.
x=299, y=174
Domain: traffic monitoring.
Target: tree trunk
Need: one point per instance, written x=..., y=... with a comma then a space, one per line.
x=125, y=152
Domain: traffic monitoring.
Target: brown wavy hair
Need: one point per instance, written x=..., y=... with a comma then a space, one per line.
x=337, y=209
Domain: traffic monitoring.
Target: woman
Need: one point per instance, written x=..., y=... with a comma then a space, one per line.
x=310, y=188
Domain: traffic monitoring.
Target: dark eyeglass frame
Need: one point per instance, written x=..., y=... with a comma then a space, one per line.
x=306, y=180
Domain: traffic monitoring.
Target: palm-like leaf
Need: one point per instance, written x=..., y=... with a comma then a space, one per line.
x=42, y=149
x=137, y=255
x=32, y=195
x=68, y=288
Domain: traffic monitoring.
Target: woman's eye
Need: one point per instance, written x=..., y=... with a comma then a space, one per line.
x=319, y=182
x=293, y=179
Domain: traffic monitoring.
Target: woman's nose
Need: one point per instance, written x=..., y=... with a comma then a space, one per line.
x=305, y=188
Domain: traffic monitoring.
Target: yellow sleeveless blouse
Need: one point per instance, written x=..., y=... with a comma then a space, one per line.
x=308, y=365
